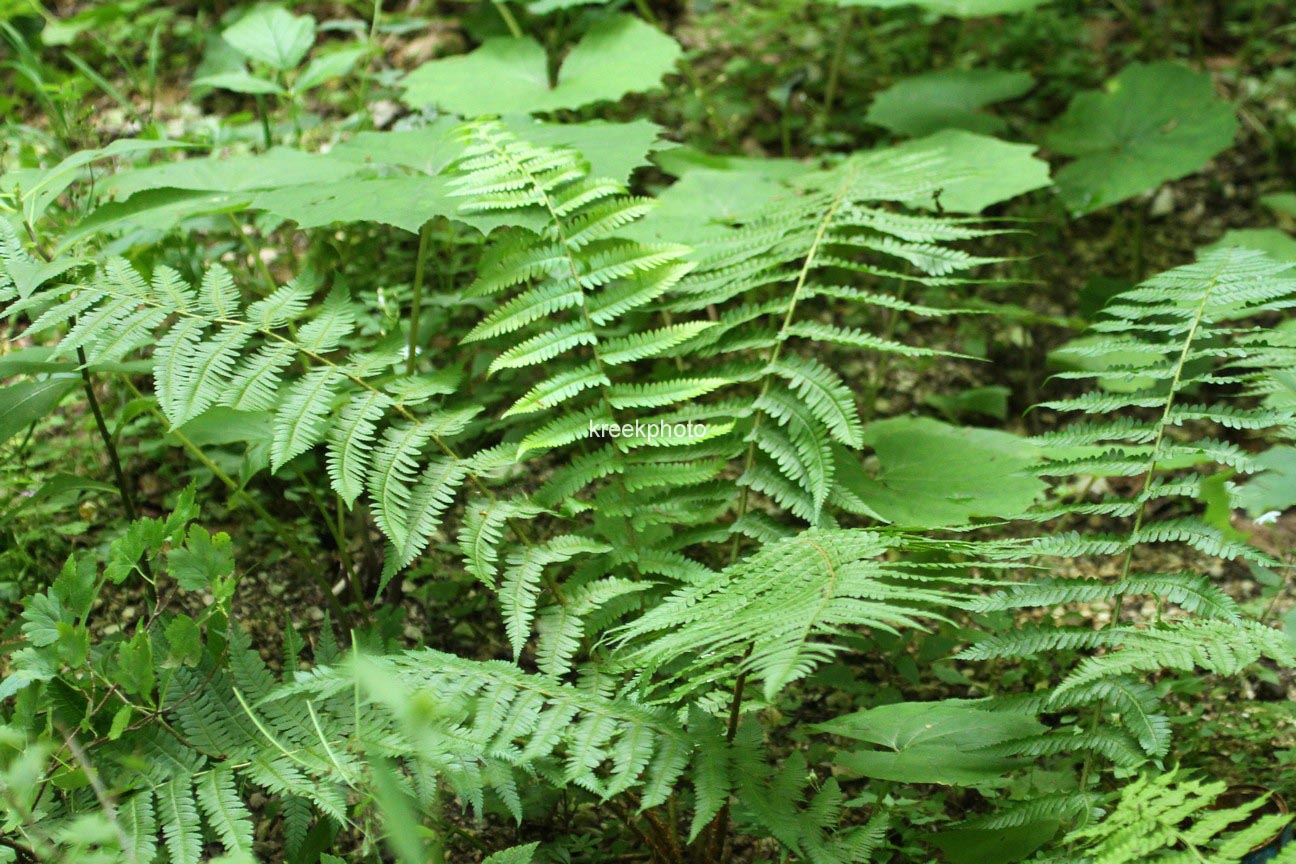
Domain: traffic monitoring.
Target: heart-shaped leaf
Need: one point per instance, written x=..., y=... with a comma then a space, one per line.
x=931, y=474
x=272, y=35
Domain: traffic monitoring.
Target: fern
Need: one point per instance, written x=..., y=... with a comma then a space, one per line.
x=476, y=723
x=770, y=616
x=765, y=276
x=1186, y=323
x=1174, y=817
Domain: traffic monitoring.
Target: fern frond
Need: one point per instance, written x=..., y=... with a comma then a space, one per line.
x=767, y=617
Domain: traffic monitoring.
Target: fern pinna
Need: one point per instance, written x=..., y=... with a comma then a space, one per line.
x=1172, y=358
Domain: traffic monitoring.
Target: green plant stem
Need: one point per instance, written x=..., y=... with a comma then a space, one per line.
x=509, y=21
x=731, y=730
x=123, y=488
x=845, y=27
x=370, y=63
x=254, y=248
x=267, y=138
x=339, y=536
x=416, y=302
x=718, y=127
x=1147, y=34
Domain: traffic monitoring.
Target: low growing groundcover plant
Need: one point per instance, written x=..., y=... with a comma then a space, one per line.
x=645, y=432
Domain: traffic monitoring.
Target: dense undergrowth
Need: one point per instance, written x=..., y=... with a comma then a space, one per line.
x=668, y=432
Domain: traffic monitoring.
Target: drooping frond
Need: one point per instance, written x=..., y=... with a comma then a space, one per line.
x=478, y=723
x=378, y=432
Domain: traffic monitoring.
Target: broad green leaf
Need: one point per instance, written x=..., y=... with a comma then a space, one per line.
x=41, y=617
x=153, y=209
x=613, y=150
x=59, y=485
x=516, y=855
x=1151, y=123
x=949, y=99
x=544, y=7
x=931, y=474
x=280, y=166
x=240, y=81
x=272, y=35
x=404, y=202
x=981, y=170
x=947, y=766
x=184, y=641
x=33, y=360
x=1274, y=242
x=1275, y=488
x=618, y=55
x=427, y=149
x=37, y=188
x=958, y=722
x=995, y=845
x=25, y=402
x=955, y=8
x=704, y=202
x=335, y=64
x=1281, y=202
x=202, y=560
x=930, y=742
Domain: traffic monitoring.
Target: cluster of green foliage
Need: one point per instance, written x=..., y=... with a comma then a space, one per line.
x=371, y=365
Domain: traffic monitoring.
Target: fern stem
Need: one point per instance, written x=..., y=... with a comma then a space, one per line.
x=844, y=29
x=100, y=792
x=87, y=384
x=416, y=302
x=336, y=532
x=114, y=461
